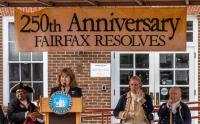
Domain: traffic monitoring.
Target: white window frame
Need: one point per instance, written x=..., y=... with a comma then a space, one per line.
x=6, y=91
x=194, y=45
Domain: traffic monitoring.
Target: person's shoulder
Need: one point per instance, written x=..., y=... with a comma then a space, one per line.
x=55, y=88
x=76, y=88
x=75, y=92
x=13, y=100
x=163, y=105
x=147, y=96
x=183, y=104
x=123, y=96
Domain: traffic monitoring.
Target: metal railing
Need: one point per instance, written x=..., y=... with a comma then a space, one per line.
x=105, y=114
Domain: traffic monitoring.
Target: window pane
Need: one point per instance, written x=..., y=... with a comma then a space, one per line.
x=182, y=77
x=14, y=72
x=142, y=60
x=125, y=76
x=144, y=75
x=189, y=36
x=37, y=72
x=126, y=61
x=26, y=71
x=124, y=90
x=11, y=31
x=166, y=77
x=25, y=56
x=37, y=56
x=12, y=95
x=190, y=25
x=146, y=89
x=185, y=93
x=38, y=87
x=166, y=60
x=164, y=93
x=182, y=60
x=13, y=54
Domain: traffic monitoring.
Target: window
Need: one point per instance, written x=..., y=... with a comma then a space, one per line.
x=27, y=67
x=189, y=31
x=174, y=71
x=134, y=64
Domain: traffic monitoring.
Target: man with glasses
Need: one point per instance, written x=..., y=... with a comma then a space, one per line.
x=21, y=110
x=174, y=111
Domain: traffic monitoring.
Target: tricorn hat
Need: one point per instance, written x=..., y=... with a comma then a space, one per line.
x=22, y=86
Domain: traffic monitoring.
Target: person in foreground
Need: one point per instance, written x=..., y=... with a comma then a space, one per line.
x=2, y=117
x=174, y=111
x=21, y=110
x=67, y=83
x=134, y=107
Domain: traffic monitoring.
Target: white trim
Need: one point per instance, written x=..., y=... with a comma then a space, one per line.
x=194, y=45
x=117, y=79
x=7, y=19
x=195, y=30
x=45, y=74
x=113, y=82
x=112, y=79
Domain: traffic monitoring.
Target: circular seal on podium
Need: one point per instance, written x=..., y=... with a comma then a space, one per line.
x=60, y=102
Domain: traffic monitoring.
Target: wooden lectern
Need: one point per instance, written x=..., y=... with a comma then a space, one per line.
x=72, y=117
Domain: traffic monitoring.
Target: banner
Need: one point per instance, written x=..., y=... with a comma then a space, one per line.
x=101, y=29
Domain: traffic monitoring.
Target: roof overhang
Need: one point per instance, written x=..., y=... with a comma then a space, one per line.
x=69, y=3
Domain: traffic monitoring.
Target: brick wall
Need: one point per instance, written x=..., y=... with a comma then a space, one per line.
x=80, y=63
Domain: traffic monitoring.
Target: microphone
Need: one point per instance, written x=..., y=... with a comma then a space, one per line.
x=63, y=86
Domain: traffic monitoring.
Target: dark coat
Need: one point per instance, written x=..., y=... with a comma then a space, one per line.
x=73, y=92
x=182, y=116
x=2, y=117
x=16, y=111
x=147, y=106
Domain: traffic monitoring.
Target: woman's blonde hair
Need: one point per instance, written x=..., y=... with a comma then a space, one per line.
x=137, y=78
x=70, y=73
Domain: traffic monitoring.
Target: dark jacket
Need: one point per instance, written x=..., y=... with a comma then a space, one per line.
x=182, y=116
x=16, y=111
x=2, y=117
x=126, y=99
x=73, y=92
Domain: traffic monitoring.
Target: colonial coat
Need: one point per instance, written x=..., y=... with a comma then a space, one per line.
x=16, y=111
x=182, y=115
x=125, y=103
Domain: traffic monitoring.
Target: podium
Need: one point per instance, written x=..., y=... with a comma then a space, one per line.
x=72, y=117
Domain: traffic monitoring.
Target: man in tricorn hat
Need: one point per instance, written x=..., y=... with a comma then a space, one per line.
x=20, y=109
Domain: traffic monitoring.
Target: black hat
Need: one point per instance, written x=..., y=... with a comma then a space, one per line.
x=22, y=86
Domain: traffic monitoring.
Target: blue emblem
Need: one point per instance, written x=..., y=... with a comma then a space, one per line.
x=60, y=102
